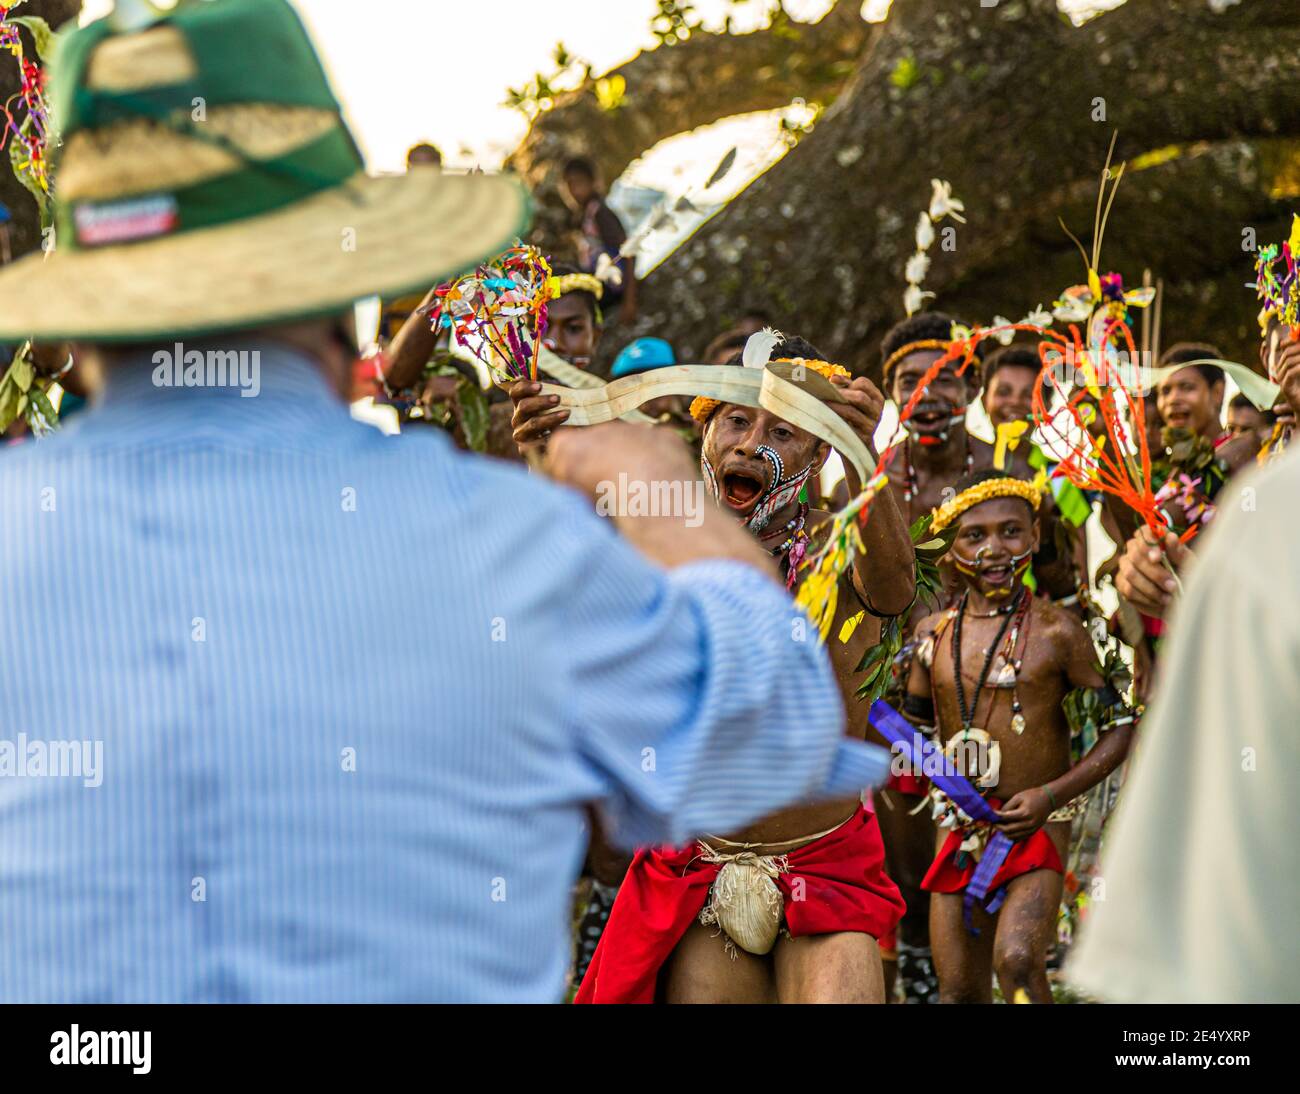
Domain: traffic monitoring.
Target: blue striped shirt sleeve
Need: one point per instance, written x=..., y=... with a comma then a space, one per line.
x=701, y=696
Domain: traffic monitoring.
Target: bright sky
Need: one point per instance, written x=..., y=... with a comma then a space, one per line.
x=439, y=70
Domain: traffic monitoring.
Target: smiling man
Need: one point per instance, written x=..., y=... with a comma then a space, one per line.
x=1010, y=374
x=1192, y=397
x=676, y=933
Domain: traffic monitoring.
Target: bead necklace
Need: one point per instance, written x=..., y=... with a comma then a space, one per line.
x=795, y=546
x=1012, y=621
x=911, y=487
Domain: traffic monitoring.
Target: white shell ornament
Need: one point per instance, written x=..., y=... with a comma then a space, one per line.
x=746, y=903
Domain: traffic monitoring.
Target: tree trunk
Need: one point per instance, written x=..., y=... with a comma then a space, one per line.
x=1007, y=103
x=674, y=89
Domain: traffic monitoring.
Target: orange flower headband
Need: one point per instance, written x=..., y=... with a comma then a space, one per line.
x=702, y=407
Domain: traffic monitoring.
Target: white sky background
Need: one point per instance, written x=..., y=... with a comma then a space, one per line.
x=438, y=70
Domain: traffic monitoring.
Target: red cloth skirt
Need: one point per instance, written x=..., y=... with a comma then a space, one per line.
x=914, y=786
x=1035, y=853
x=836, y=883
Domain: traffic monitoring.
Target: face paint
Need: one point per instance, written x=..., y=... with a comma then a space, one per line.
x=970, y=567
x=940, y=438
x=775, y=497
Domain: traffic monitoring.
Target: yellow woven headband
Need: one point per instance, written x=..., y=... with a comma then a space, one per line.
x=911, y=347
x=949, y=511
x=702, y=407
x=576, y=282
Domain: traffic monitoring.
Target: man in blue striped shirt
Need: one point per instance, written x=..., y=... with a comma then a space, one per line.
x=247, y=772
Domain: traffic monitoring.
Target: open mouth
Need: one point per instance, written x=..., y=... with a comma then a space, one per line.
x=996, y=575
x=740, y=489
x=930, y=418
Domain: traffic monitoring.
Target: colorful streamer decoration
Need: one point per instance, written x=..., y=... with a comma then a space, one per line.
x=1277, y=282
x=26, y=115
x=499, y=312
x=818, y=595
x=1101, y=388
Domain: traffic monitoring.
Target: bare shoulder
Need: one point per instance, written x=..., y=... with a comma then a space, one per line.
x=927, y=625
x=1064, y=629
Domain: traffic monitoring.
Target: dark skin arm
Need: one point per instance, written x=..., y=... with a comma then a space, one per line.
x=1028, y=811
x=918, y=679
x=613, y=236
x=884, y=574
x=412, y=347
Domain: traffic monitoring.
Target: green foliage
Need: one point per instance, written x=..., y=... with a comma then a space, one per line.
x=466, y=412
x=929, y=552
x=17, y=154
x=878, y=661
x=1087, y=711
x=538, y=95
x=906, y=73
x=23, y=394
x=41, y=33
x=1191, y=454
x=783, y=27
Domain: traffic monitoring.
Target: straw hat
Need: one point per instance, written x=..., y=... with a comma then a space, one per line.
x=206, y=182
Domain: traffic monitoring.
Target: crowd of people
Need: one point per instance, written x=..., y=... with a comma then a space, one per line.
x=1021, y=581
x=638, y=696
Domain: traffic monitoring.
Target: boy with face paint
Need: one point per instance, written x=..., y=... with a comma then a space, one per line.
x=988, y=679
x=938, y=451
x=663, y=940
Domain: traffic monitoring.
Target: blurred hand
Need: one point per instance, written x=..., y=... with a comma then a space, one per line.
x=48, y=358
x=585, y=458
x=1288, y=373
x=1143, y=579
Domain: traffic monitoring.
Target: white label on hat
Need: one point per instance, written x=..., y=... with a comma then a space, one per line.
x=123, y=221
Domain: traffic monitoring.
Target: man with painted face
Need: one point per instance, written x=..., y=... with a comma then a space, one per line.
x=939, y=449
x=937, y=452
x=820, y=867
x=988, y=680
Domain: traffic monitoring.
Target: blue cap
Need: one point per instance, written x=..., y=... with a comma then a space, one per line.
x=641, y=356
